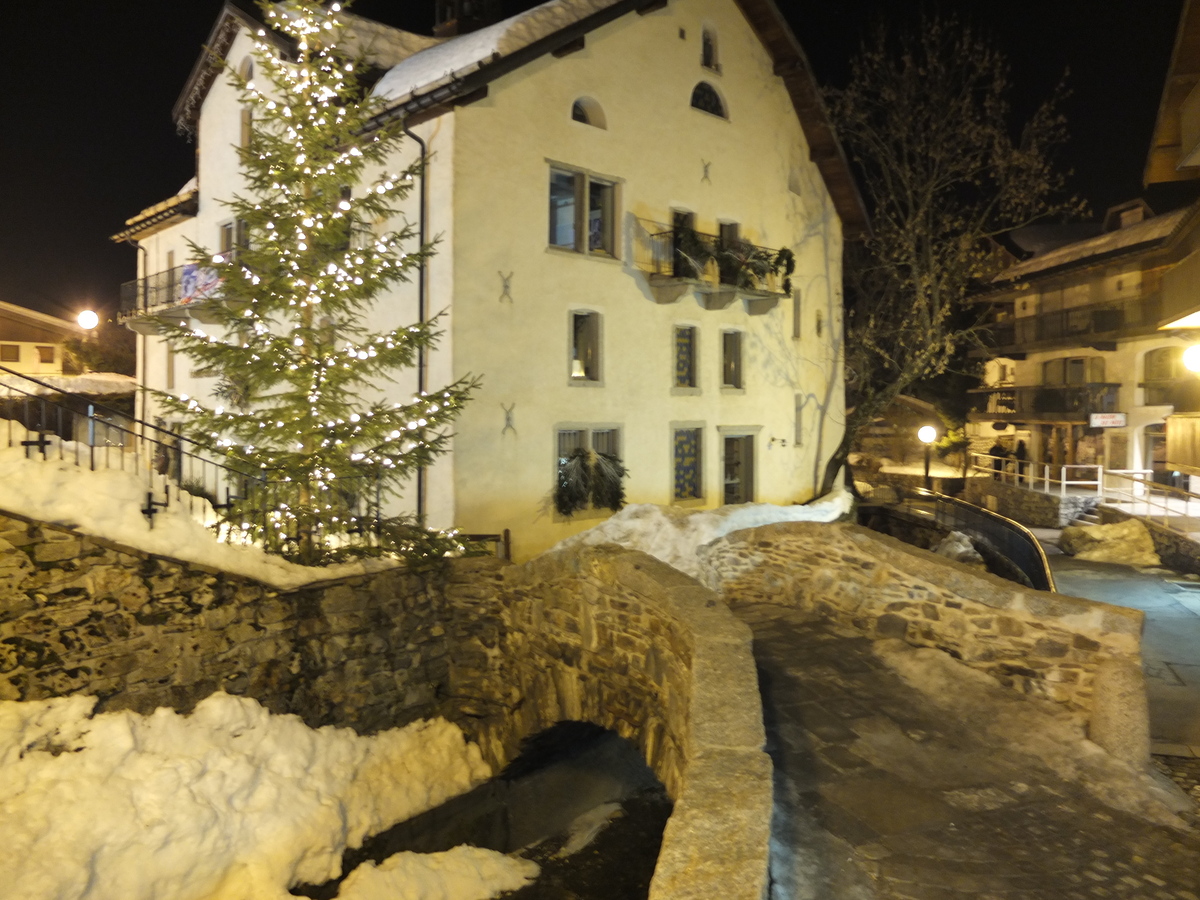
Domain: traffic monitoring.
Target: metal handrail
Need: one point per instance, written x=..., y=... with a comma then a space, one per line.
x=1142, y=491
x=1009, y=538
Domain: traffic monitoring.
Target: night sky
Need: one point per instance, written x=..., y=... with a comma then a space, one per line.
x=87, y=139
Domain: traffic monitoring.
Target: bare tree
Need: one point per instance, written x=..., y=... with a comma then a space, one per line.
x=926, y=120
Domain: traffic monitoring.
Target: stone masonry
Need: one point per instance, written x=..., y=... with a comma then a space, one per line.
x=1033, y=509
x=1047, y=645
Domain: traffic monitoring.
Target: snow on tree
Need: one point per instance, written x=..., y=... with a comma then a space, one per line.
x=290, y=343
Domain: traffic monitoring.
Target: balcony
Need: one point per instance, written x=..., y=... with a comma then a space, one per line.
x=1043, y=403
x=184, y=291
x=1089, y=325
x=676, y=260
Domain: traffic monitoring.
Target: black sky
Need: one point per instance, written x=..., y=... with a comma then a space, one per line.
x=86, y=138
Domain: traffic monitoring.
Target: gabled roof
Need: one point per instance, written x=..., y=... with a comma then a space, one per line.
x=426, y=73
x=1166, y=144
x=13, y=313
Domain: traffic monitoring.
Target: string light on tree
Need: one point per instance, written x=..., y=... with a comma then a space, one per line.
x=291, y=339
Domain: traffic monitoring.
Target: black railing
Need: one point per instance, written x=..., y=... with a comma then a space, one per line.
x=1045, y=401
x=1010, y=539
x=1114, y=318
x=181, y=286
x=694, y=256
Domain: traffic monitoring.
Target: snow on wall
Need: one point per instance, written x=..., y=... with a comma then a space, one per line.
x=229, y=802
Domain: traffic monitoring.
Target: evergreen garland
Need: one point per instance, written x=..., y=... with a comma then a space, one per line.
x=290, y=339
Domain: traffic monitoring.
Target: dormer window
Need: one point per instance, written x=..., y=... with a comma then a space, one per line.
x=708, y=50
x=588, y=111
x=706, y=99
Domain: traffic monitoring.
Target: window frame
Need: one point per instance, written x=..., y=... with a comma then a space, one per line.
x=589, y=431
x=42, y=354
x=747, y=435
x=593, y=331
x=701, y=457
x=582, y=182
x=10, y=353
x=735, y=364
x=698, y=94
x=693, y=385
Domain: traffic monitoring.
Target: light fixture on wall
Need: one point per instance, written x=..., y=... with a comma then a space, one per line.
x=577, y=370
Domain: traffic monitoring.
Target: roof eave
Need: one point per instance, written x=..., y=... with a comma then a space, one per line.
x=1164, y=156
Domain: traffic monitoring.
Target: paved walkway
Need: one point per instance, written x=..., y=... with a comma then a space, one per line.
x=881, y=793
x=1170, y=642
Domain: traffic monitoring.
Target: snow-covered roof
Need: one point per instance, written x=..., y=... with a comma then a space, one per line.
x=1150, y=231
x=463, y=54
x=95, y=384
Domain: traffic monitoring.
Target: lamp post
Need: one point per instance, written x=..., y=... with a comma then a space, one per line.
x=927, y=434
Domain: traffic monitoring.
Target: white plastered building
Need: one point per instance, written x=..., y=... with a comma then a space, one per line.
x=566, y=149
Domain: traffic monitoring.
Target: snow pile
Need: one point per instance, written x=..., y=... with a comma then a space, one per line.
x=1127, y=542
x=959, y=547
x=464, y=873
x=673, y=535
x=227, y=803
x=108, y=502
x=95, y=383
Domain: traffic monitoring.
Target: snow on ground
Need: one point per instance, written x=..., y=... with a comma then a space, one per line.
x=227, y=803
x=107, y=503
x=1042, y=730
x=464, y=873
x=674, y=535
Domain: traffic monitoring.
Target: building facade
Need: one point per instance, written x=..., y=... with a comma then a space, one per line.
x=31, y=342
x=578, y=156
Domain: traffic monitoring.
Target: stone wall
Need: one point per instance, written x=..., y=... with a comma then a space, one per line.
x=604, y=635
x=1176, y=551
x=1043, y=644
x=1033, y=509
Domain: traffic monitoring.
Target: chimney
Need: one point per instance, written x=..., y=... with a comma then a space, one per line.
x=453, y=17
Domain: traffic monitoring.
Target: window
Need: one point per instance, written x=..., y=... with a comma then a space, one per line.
x=589, y=473
x=706, y=99
x=796, y=335
x=585, y=347
x=172, y=293
x=739, y=468
x=232, y=236
x=45, y=355
x=685, y=356
x=247, y=126
x=582, y=213
x=708, y=50
x=689, y=476
x=1162, y=367
x=731, y=359
x=589, y=112
x=1073, y=370
x=10, y=352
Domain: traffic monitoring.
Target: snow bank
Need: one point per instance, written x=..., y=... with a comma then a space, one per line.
x=464, y=873
x=108, y=502
x=673, y=535
x=228, y=803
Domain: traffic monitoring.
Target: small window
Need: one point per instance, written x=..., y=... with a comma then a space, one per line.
x=685, y=356
x=585, y=347
x=708, y=50
x=706, y=99
x=10, y=352
x=582, y=213
x=731, y=359
x=589, y=473
x=589, y=112
x=45, y=355
x=689, y=475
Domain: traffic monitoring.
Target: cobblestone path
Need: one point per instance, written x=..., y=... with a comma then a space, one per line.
x=880, y=794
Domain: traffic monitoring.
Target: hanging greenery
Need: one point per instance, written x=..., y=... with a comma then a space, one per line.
x=587, y=477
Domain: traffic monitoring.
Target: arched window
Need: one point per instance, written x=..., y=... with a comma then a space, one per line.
x=708, y=50
x=588, y=111
x=706, y=98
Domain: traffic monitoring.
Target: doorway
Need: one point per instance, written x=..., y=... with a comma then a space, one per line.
x=739, y=468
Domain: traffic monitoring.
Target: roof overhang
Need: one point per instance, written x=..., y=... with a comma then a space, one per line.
x=161, y=215
x=1166, y=145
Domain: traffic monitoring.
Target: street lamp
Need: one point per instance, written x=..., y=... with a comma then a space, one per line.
x=927, y=434
x=1191, y=358
x=88, y=319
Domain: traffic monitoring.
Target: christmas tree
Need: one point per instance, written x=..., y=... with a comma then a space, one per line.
x=290, y=344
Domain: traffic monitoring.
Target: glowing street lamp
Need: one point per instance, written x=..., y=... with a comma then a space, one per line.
x=88, y=319
x=927, y=434
x=1191, y=358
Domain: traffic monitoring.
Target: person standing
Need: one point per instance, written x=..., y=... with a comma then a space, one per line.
x=1021, y=455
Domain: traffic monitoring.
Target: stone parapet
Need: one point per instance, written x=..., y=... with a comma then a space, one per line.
x=1044, y=644
x=1033, y=509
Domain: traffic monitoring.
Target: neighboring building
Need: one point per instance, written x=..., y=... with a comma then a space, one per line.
x=1080, y=369
x=569, y=147
x=31, y=342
